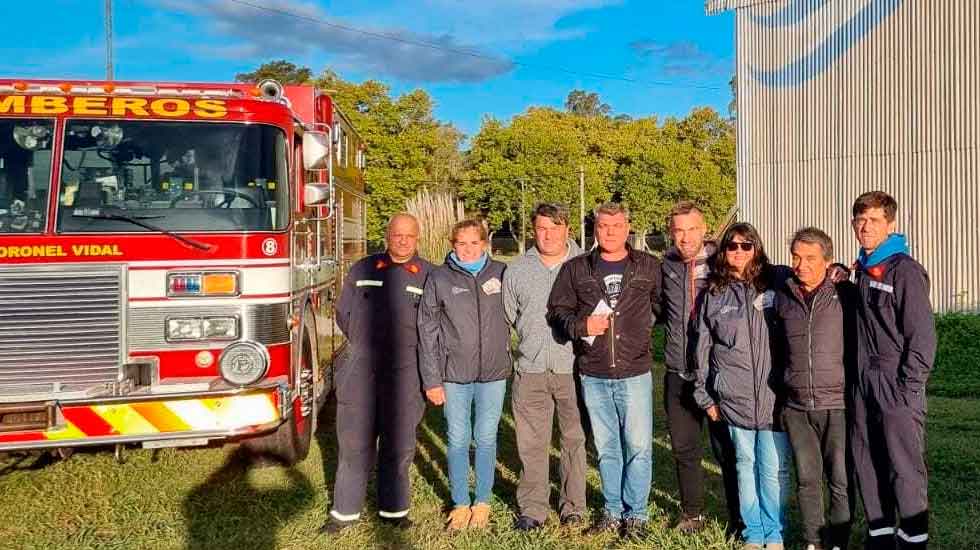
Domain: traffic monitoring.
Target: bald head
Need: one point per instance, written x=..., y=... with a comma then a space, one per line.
x=402, y=237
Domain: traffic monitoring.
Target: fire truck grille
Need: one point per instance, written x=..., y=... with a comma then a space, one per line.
x=60, y=328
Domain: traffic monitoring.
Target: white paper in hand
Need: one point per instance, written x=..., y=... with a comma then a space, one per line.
x=602, y=308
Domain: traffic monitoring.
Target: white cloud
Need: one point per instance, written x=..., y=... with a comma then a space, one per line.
x=285, y=28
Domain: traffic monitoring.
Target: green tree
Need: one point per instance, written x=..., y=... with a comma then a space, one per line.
x=582, y=103
x=408, y=148
x=281, y=70
x=543, y=150
x=692, y=158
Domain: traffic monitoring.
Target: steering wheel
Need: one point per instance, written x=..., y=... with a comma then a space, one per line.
x=232, y=193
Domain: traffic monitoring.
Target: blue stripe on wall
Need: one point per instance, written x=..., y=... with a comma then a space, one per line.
x=830, y=50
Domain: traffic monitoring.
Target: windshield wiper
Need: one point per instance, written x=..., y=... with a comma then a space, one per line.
x=97, y=214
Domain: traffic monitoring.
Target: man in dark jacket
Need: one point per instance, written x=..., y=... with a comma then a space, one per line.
x=816, y=331
x=897, y=347
x=685, y=275
x=606, y=302
x=379, y=394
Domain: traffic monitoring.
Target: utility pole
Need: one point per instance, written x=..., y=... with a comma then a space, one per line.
x=520, y=242
x=581, y=203
x=108, y=39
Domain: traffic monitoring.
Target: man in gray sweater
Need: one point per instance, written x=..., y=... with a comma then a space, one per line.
x=544, y=379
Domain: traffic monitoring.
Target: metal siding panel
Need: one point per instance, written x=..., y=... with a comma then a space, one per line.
x=899, y=112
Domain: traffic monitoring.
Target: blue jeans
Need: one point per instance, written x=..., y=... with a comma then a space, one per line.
x=621, y=412
x=762, y=460
x=460, y=399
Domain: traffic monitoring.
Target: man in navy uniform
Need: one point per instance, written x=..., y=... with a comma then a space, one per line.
x=896, y=350
x=379, y=392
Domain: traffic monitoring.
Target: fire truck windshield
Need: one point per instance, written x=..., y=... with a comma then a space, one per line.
x=184, y=176
x=25, y=172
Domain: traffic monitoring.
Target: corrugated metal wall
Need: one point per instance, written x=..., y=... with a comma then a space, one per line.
x=838, y=97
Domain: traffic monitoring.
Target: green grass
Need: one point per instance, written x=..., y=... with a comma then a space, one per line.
x=210, y=498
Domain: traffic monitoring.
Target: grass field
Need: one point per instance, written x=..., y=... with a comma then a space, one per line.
x=211, y=498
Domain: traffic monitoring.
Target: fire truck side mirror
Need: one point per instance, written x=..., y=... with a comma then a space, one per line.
x=316, y=194
x=316, y=150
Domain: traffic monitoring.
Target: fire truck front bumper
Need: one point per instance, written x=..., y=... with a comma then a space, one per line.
x=175, y=420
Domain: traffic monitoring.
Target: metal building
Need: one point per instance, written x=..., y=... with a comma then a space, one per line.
x=838, y=97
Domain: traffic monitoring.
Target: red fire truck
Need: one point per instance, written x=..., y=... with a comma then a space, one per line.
x=168, y=257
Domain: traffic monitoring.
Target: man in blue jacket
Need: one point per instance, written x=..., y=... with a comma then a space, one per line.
x=896, y=350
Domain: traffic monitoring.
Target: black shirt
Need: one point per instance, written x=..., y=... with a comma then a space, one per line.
x=611, y=279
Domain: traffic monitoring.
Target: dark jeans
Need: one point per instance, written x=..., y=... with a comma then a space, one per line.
x=535, y=398
x=819, y=440
x=684, y=422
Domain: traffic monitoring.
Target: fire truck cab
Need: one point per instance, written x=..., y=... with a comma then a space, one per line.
x=169, y=254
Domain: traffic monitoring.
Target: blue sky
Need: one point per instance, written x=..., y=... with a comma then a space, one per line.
x=677, y=57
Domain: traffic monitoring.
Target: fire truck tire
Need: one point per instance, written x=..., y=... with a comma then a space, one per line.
x=290, y=443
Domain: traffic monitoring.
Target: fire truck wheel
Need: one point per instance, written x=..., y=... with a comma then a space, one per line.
x=290, y=444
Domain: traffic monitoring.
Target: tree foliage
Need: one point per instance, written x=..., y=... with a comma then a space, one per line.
x=641, y=162
x=280, y=70
x=646, y=163
x=407, y=148
x=582, y=103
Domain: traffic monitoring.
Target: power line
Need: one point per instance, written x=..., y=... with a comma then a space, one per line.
x=478, y=55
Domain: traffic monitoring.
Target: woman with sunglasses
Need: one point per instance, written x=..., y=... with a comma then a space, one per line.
x=736, y=379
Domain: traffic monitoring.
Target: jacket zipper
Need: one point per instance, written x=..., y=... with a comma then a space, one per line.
x=755, y=385
x=612, y=316
x=809, y=345
x=688, y=312
x=479, y=327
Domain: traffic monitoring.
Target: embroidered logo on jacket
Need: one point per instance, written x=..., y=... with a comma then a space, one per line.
x=459, y=290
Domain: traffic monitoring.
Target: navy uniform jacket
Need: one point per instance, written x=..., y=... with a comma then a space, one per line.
x=377, y=311
x=897, y=331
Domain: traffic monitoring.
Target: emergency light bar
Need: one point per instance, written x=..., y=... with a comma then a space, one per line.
x=182, y=285
x=140, y=90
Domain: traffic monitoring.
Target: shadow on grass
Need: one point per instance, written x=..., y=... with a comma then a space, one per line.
x=228, y=511
x=433, y=465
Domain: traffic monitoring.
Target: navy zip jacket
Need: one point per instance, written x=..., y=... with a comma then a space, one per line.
x=463, y=332
x=897, y=330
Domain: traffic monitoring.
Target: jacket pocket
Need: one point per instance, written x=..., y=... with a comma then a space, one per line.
x=726, y=331
x=719, y=387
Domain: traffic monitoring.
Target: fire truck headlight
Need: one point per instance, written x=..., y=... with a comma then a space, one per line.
x=184, y=329
x=243, y=363
x=221, y=328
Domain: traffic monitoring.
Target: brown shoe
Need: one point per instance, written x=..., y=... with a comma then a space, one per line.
x=690, y=524
x=458, y=519
x=479, y=516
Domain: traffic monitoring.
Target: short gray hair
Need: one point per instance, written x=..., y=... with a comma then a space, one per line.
x=612, y=209
x=812, y=235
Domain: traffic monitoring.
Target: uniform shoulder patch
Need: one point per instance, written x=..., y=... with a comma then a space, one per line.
x=882, y=287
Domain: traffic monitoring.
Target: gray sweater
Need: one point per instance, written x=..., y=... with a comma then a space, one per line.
x=527, y=284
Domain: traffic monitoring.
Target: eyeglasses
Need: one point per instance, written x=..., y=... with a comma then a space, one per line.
x=746, y=247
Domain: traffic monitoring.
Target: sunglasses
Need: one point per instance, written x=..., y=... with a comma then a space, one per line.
x=746, y=247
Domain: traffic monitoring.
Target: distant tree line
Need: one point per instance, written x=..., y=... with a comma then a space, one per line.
x=646, y=163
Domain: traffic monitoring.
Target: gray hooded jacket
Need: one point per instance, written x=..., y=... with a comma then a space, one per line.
x=527, y=285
